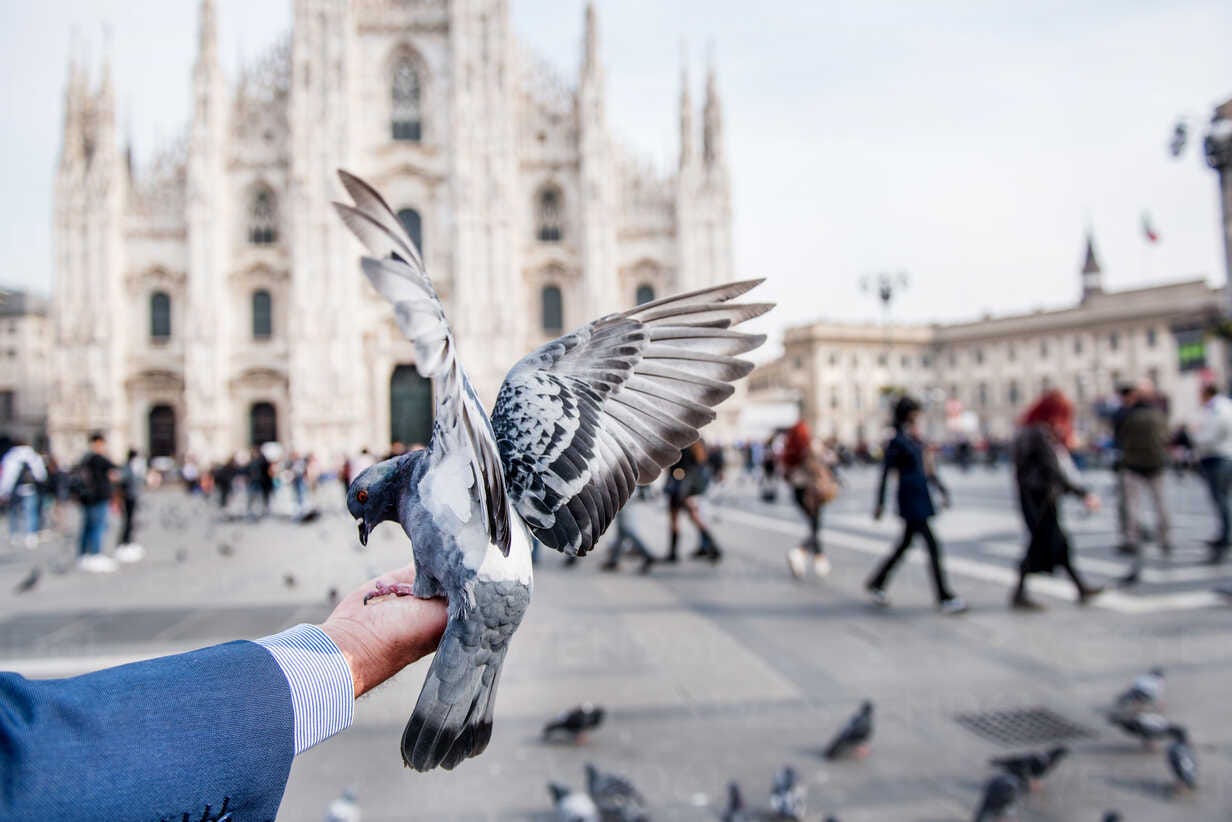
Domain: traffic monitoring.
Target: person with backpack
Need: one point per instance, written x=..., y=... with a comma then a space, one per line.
x=907, y=456
x=687, y=480
x=94, y=480
x=812, y=486
x=22, y=474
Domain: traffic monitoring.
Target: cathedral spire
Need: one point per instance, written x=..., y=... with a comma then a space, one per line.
x=590, y=53
x=686, y=112
x=712, y=119
x=207, y=36
x=1092, y=274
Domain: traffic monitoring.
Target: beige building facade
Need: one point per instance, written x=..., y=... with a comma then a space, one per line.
x=988, y=370
x=209, y=298
x=25, y=347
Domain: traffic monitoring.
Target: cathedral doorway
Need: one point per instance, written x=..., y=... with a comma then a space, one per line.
x=161, y=431
x=262, y=423
x=410, y=407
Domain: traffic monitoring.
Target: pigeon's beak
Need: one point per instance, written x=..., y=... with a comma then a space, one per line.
x=363, y=532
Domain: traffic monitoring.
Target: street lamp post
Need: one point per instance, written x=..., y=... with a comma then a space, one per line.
x=1218, y=149
x=886, y=286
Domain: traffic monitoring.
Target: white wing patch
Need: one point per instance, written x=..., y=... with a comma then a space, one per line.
x=447, y=487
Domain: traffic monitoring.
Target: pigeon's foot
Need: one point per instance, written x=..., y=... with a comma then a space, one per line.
x=400, y=589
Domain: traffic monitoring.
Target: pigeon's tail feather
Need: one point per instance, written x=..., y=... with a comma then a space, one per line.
x=453, y=717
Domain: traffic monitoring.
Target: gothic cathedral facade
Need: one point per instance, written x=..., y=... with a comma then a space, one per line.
x=210, y=300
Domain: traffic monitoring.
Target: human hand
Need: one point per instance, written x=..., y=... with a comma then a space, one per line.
x=386, y=635
x=1091, y=502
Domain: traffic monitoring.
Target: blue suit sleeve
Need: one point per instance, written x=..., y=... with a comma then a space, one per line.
x=207, y=734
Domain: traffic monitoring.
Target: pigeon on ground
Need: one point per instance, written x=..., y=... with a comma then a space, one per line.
x=577, y=425
x=1112, y=816
x=331, y=596
x=574, y=723
x=225, y=549
x=735, y=810
x=288, y=579
x=1145, y=694
x=27, y=583
x=573, y=806
x=1182, y=760
x=1031, y=768
x=854, y=737
x=787, y=795
x=1148, y=727
x=615, y=797
x=344, y=809
x=1000, y=795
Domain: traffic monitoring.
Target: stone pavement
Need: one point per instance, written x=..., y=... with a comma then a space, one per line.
x=708, y=673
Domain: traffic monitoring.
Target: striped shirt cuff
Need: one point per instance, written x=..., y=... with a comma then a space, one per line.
x=322, y=692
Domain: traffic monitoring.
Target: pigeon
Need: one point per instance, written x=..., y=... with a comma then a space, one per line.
x=1182, y=760
x=854, y=737
x=615, y=797
x=1112, y=816
x=1145, y=694
x=1032, y=767
x=1000, y=795
x=735, y=811
x=787, y=795
x=1148, y=727
x=344, y=809
x=27, y=583
x=288, y=579
x=573, y=806
x=574, y=723
x=331, y=596
x=577, y=425
x=225, y=549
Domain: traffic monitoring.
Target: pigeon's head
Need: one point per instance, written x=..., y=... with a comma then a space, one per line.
x=1058, y=753
x=866, y=707
x=558, y=791
x=374, y=494
x=1178, y=733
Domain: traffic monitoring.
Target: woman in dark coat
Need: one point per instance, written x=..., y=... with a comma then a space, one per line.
x=1045, y=473
x=905, y=455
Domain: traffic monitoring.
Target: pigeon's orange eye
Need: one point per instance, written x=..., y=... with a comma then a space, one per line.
x=362, y=496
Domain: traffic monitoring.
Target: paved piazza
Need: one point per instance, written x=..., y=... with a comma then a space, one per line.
x=708, y=673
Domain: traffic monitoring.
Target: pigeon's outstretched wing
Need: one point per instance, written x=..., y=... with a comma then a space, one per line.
x=589, y=416
x=460, y=427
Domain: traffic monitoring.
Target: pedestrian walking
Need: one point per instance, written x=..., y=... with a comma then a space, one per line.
x=298, y=467
x=907, y=456
x=626, y=539
x=1045, y=472
x=260, y=476
x=812, y=487
x=1125, y=399
x=1143, y=439
x=686, y=480
x=132, y=477
x=93, y=482
x=22, y=475
x=1212, y=437
x=224, y=481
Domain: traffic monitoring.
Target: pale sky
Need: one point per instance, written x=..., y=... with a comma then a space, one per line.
x=970, y=144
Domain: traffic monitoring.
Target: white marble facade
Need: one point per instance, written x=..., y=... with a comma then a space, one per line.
x=208, y=296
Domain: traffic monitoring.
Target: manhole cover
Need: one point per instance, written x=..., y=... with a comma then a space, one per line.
x=1023, y=726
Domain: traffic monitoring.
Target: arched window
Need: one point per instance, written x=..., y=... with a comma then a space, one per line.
x=410, y=406
x=262, y=315
x=406, y=116
x=553, y=309
x=160, y=316
x=548, y=213
x=645, y=294
x=262, y=423
x=263, y=218
x=411, y=221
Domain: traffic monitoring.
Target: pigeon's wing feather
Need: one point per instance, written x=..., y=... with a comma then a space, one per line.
x=589, y=416
x=460, y=426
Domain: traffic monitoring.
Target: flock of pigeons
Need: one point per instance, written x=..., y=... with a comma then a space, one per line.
x=612, y=798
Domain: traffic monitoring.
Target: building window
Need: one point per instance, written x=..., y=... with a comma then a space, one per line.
x=833, y=398
x=797, y=363
x=1152, y=374
x=926, y=361
x=953, y=359
x=1011, y=352
x=406, y=115
x=881, y=359
x=160, y=316
x=645, y=294
x=8, y=405
x=982, y=395
x=906, y=361
x=979, y=356
x=1151, y=338
x=160, y=431
x=263, y=218
x=1077, y=345
x=1114, y=341
x=552, y=309
x=262, y=315
x=262, y=423
x=833, y=359
x=1043, y=349
x=1012, y=394
x=413, y=226
x=548, y=213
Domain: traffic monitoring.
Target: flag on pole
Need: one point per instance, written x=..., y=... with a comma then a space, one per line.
x=1148, y=229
